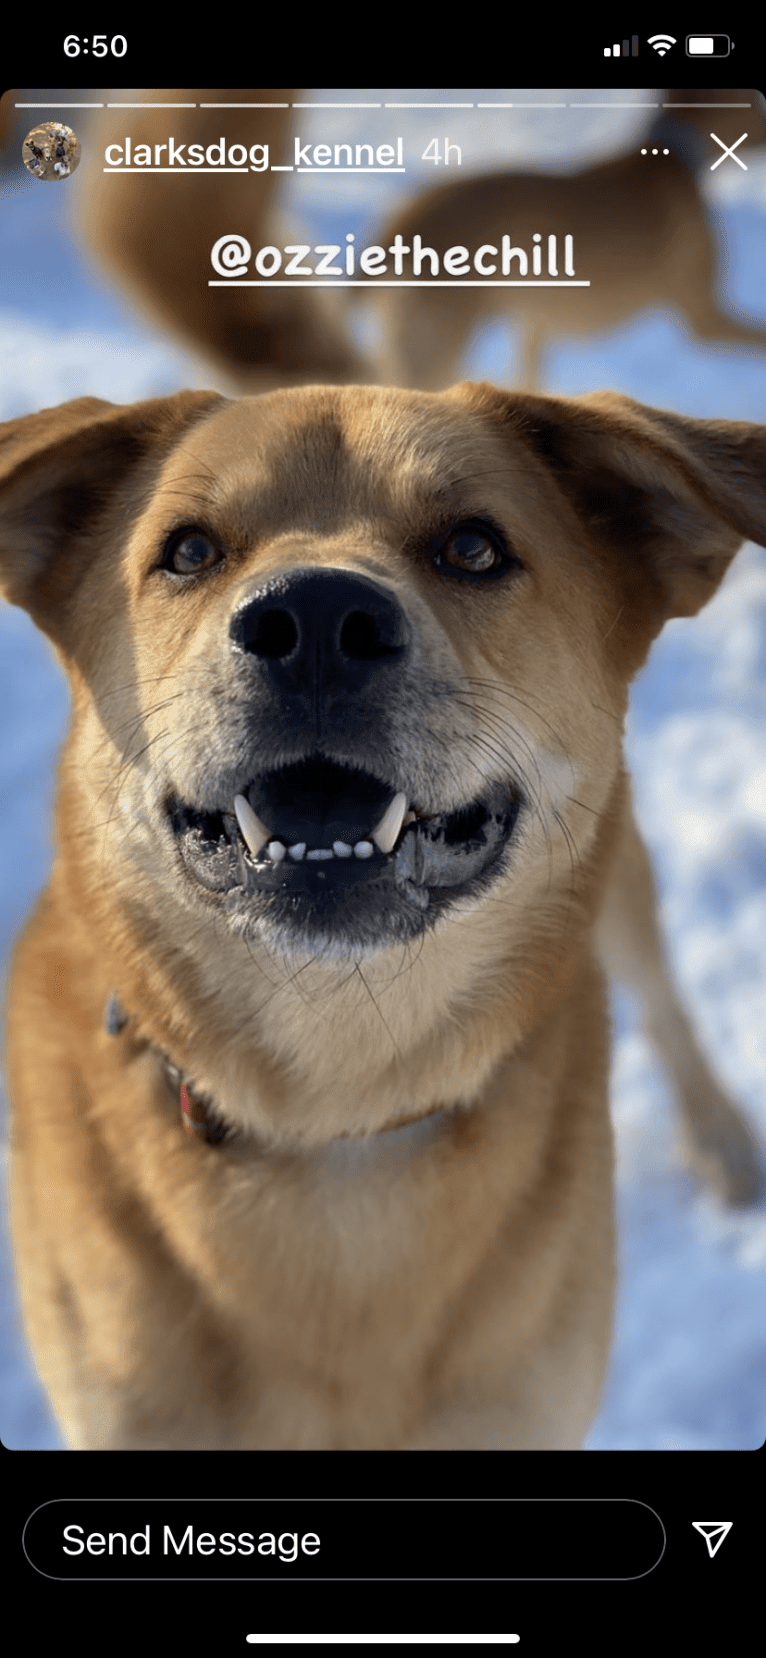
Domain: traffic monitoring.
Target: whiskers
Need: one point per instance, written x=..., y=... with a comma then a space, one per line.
x=453, y=749
x=513, y=752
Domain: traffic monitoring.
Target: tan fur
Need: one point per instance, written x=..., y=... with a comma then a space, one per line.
x=643, y=238
x=409, y=1242
x=153, y=232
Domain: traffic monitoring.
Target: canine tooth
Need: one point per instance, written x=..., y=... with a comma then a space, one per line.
x=254, y=832
x=386, y=832
x=297, y=850
x=363, y=849
x=320, y=852
x=276, y=851
x=342, y=849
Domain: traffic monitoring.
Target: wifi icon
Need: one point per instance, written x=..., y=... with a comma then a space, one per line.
x=661, y=43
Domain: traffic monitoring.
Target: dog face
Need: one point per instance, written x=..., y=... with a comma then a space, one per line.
x=351, y=664
x=356, y=582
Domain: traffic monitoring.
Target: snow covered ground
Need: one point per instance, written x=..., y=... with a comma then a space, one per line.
x=690, y=1350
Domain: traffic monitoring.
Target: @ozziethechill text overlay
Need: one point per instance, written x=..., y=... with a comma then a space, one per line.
x=412, y=263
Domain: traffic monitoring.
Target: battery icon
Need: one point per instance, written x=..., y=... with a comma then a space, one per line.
x=708, y=46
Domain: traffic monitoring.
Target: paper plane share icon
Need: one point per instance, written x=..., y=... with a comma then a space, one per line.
x=713, y=1532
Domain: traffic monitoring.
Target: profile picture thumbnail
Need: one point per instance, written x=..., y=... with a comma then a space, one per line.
x=51, y=151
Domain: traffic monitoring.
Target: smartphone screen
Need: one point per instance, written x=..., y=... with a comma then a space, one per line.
x=252, y=242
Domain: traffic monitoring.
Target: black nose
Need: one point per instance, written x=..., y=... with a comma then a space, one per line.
x=323, y=630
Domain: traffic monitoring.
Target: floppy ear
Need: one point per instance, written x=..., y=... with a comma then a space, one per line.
x=62, y=472
x=673, y=498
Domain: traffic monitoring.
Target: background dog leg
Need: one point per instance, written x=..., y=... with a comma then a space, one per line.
x=531, y=360
x=721, y=1148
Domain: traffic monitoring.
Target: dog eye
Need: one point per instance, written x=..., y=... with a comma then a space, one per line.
x=473, y=550
x=468, y=550
x=189, y=553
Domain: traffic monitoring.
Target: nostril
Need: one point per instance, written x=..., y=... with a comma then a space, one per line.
x=361, y=637
x=273, y=634
x=329, y=629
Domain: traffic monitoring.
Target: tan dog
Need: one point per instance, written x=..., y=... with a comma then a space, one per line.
x=642, y=236
x=307, y=1038
x=153, y=231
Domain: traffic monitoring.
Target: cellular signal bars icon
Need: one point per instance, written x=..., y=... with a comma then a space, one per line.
x=629, y=49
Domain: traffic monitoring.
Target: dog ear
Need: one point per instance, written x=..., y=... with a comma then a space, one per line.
x=671, y=497
x=61, y=473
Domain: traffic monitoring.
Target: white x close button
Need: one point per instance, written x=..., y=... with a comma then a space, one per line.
x=727, y=150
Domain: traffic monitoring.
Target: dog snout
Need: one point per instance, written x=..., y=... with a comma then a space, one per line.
x=328, y=630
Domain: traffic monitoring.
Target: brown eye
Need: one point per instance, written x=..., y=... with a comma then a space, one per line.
x=470, y=550
x=190, y=554
x=473, y=549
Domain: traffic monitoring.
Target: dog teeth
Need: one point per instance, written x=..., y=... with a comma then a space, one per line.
x=384, y=836
x=339, y=849
x=254, y=833
x=386, y=832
